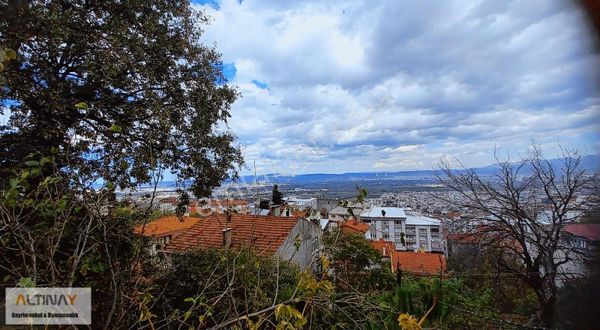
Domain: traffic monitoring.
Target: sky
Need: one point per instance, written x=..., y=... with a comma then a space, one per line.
x=333, y=87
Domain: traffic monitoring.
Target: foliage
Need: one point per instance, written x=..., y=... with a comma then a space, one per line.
x=479, y=269
x=207, y=287
x=578, y=306
x=277, y=196
x=115, y=90
x=182, y=203
x=356, y=264
x=102, y=95
x=524, y=208
x=431, y=301
x=52, y=236
x=408, y=322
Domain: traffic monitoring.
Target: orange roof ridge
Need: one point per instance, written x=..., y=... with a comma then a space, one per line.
x=165, y=225
x=267, y=233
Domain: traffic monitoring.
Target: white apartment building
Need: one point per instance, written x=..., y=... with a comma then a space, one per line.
x=390, y=223
x=302, y=202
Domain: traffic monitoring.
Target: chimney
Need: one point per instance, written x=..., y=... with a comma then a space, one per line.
x=226, y=237
x=276, y=211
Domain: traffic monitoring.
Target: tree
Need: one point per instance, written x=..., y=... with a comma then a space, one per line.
x=115, y=90
x=112, y=92
x=355, y=263
x=524, y=208
x=578, y=306
x=277, y=197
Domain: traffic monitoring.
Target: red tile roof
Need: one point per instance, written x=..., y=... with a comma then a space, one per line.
x=419, y=262
x=589, y=230
x=165, y=225
x=385, y=248
x=267, y=233
x=353, y=226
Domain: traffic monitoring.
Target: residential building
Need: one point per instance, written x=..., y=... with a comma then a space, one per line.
x=290, y=238
x=391, y=223
x=341, y=213
x=302, y=203
x=222, y=205
x=163, y=230
x=580, y=243
x=326, y=204
x=415, y=263
x=167, y=205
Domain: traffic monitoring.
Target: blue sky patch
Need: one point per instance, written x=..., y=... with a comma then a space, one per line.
x=212, y=3
x=229, y=71
x=260, y=84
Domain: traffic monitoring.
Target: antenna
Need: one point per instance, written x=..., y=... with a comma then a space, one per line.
x=254, y=217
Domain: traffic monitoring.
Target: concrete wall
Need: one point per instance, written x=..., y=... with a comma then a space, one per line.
x=309, y=235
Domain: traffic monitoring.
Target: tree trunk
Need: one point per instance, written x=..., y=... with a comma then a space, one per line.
x=547, y=311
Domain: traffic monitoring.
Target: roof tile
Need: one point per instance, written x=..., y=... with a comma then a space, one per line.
x=165, y=225
x=419, y=262
x=267, y=233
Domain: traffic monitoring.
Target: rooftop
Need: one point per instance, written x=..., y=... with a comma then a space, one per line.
x=354, y=226
x=378, y=212
x=266, y=233
x=165, y=225
x=385, y=248
x=420, y=220
x=590, y=231
x=419, y=262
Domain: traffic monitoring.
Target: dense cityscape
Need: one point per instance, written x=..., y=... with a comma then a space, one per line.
x=287, y=165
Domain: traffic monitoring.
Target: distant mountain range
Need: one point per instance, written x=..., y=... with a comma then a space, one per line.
x=590, y=163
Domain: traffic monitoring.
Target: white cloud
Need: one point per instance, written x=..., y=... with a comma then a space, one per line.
x=401, y=84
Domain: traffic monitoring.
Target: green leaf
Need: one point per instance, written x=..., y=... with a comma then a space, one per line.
x=97, y=267
x=32, y=163
x=35, y=171
x=45, y=160
x=81, y=105
x=187, y=315
x=26, y=282
x=115, y=129
x=297, y=242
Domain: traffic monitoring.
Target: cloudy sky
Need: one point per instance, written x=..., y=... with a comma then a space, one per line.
x=332, y=86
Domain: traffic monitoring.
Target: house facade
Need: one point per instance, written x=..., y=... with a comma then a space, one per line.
x=163, y=230
x=392, y=223
x=579, y=243
x=289, y=238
